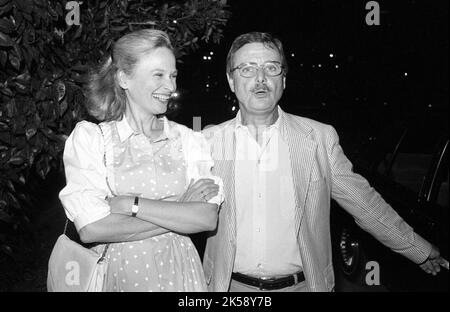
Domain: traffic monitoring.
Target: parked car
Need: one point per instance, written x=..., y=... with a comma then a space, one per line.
x=408, y=166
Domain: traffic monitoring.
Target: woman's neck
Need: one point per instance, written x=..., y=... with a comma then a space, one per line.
x=147, y=124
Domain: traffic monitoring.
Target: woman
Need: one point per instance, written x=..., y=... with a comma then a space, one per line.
x=127, y=178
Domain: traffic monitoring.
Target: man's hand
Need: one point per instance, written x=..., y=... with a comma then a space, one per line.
x=434, y=260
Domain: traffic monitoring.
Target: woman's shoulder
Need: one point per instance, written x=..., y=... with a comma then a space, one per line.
x=85, y=133
x=85, y=127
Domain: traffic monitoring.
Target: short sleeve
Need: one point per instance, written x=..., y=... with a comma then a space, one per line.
x=199, y=161
x=83, y=197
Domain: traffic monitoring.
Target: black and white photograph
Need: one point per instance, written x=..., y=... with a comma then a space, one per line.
x=224, y=146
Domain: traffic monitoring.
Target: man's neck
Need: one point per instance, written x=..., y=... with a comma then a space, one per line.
x=260, y=120
x=256, y=124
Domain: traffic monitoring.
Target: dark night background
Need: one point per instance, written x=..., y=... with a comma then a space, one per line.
x=376, y=75
x=361, y=79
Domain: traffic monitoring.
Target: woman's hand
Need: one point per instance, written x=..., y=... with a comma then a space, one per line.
x=201, y=191
x=120, y=204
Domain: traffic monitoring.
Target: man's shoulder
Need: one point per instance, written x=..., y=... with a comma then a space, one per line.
x=212, y=129
x=307, y=124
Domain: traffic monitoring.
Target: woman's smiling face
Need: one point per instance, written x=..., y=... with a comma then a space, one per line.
x=152, y=82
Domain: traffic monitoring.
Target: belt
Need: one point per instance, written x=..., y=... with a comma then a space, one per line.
x=269, y=283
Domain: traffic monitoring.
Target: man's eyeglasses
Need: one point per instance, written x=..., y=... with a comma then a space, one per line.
x=249, y=70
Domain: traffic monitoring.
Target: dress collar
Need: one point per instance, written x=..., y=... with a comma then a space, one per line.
x=125, y=131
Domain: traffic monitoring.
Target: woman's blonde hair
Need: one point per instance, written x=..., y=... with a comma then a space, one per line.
x=106, y=99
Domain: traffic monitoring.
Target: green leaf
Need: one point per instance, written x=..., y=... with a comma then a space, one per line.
x=23, y=78
x=6, y=26
x=21, y=88
x=6, y=91
x=16, y=160
x=3, y=126
x=60, y=91
x=5, y=8
x=5, y=40
x=25, y=6
x=14, y=61
x=11, y=108
x=3, y=58
x=30, y=132
x=7, y=250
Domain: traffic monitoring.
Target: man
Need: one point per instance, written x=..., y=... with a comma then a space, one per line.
x=279, y=173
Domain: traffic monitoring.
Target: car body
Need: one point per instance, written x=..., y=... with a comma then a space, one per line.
x=408, y=166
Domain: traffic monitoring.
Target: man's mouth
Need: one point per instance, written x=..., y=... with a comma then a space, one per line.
x=261, y=91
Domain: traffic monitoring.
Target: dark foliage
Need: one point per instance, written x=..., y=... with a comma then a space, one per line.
x=44, y=62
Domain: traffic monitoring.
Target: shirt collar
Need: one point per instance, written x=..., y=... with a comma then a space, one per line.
x=125, y=131
x=275, y=125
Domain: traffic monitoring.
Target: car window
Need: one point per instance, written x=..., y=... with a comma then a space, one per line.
x=410, y=160
x=410, y=169
x=439, y=188
x=442, y=195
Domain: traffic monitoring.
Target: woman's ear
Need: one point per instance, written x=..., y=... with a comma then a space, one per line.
x=122, y=79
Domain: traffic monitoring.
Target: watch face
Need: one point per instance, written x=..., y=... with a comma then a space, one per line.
x=134, y=209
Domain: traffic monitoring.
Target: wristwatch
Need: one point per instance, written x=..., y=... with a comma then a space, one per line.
x=135, y=207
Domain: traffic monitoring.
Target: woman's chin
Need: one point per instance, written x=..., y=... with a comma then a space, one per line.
x=160, y=108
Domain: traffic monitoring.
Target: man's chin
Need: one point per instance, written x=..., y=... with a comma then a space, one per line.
x=266, y=105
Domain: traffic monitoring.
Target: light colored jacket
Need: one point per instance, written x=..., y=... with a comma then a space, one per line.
x=320, y=172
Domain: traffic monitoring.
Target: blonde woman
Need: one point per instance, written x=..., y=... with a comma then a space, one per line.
x=140, y=182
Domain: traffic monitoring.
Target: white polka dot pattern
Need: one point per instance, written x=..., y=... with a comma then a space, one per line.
x=164, y=263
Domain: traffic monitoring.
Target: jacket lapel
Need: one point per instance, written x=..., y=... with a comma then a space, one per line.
x=228, y=153
x=302, y=151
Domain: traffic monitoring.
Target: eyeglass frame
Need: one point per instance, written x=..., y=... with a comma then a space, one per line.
x=258, y=66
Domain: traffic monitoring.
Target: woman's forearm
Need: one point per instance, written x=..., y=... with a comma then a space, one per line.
x=183, y=217
x=119, y=228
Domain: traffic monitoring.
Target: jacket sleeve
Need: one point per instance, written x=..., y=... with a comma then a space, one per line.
x=83, y=197
x=370, y=211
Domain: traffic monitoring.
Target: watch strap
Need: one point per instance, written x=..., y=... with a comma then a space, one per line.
x=135, y=208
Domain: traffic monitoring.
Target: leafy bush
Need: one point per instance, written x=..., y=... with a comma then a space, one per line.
x=44, y=62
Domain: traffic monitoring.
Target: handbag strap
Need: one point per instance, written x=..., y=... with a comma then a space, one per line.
x=107, y=180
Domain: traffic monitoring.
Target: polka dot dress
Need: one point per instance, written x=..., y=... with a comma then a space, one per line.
x=168, y=262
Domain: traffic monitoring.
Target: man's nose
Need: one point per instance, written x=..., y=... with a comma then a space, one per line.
x=261, y=74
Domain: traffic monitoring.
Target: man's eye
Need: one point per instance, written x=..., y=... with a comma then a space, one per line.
x=271, y=68
x=247, y=69
x=159, y=74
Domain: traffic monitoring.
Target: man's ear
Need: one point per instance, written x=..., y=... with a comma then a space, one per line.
x=284, y=82
x=230, y=82
x=122, y=79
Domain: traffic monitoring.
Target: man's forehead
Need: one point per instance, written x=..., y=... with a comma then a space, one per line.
x=256, y=52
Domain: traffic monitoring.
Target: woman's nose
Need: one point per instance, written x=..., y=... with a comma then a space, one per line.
x=170, y=84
